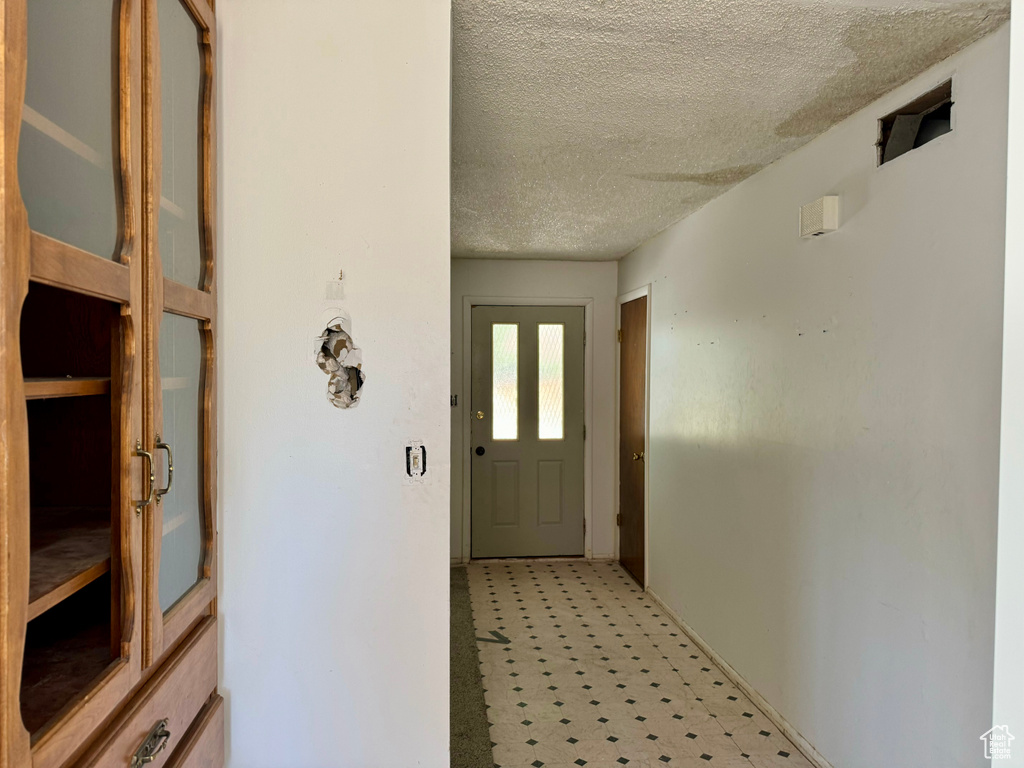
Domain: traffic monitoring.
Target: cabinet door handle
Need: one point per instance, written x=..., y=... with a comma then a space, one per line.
x=161, y=492
x=154, y=744
x=152, y=477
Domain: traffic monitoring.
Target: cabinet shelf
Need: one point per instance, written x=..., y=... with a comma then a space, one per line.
x=177, y=382
x=70, y=548
x=173, y=523
x=66, y=139
x=41, y=389
x=173, y=208
x=61, y=661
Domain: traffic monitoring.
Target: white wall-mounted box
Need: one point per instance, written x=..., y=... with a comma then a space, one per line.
x=820, y=217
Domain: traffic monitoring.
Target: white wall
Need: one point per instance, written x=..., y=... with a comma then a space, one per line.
x=825, y=429
x=499, y=278
x=1008, y=693
x=334, y=576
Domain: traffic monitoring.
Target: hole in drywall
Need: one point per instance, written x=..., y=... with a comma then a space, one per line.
x=339, y=357
x=915, y=124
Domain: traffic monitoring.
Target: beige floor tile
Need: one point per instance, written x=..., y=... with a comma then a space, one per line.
x=587, y=728
x=514, y=754
x=543, y=712
x=794, y=760
x=759, y=741
x=596, y=750
x=504, y=713
x=751, y=718
x=729, y=762
x=617, y=710
x=503, y=733
x=625, y=729
x=549, y=731
x=555, y=751
x=495, y=696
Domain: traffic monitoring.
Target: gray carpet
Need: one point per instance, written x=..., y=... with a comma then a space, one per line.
x=470, y=736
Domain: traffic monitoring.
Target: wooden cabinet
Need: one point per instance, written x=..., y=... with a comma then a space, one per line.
x=107, y=439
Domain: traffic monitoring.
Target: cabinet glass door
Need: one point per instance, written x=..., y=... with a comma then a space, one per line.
x=180, y=94
x=183, y=534
x=181, y=329
x=68, y=155
x=79, y=482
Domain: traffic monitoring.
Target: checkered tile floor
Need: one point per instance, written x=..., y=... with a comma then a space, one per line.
x=595, y=675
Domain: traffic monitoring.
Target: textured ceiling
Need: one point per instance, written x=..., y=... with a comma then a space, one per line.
x=583, y=127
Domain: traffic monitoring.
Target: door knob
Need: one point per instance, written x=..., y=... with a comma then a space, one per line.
x=480, y=450
x=638, y=456
x=479, y=414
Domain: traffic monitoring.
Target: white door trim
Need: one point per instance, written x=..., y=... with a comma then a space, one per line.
x=468, y=302
x=644, y=290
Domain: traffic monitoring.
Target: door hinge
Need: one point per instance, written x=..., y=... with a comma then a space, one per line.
x=620, y=335
x=618, y=520
x=584, y=338
x=584, y=431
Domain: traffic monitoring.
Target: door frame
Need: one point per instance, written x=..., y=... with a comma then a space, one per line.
x=625, y=298
x=468, y=302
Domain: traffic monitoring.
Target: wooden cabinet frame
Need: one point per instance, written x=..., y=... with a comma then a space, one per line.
x=134, y=280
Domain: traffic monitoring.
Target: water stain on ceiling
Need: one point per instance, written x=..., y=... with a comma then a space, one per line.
x=581, y=128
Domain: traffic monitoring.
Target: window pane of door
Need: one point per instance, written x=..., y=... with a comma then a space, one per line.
x=68, y=169
x=505, y=381
x=551, y=382
x=180, y=96
x=181, y=550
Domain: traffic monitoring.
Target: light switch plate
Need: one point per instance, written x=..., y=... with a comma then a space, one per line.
x=415, y=462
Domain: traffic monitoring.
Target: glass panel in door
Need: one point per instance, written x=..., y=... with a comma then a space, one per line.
x=505, y=380
x=181, y=366
x=68, y=157
x=550, y=381
x=181, y=85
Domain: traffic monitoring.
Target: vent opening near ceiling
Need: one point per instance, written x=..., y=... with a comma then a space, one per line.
x=915, y=124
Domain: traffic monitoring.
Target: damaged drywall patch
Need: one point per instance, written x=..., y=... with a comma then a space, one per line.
x=338, y=356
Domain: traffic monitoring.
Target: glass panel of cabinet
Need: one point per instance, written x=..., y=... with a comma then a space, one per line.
x=68, y=155
x=181, y=374
x=181, y=88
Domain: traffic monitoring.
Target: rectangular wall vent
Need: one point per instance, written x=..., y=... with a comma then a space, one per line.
x=915, y=124
x=820, y=217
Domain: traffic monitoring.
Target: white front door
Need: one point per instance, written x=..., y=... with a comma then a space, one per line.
x=527, y=431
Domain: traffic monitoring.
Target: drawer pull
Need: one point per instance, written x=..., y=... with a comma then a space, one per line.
x=152, y=746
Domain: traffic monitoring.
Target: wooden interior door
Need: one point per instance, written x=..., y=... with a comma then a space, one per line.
x=632, y=435
x=178, y=408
